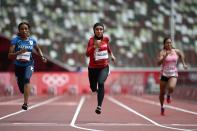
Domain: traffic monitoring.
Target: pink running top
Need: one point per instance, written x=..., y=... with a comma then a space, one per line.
x=169, y=68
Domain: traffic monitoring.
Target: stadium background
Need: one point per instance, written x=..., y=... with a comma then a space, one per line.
x=136, y=29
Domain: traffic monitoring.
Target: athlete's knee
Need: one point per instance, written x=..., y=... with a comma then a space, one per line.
x=101, y=83
x=21, y=87
x=100, y=87
x=162, y=93
x=93, y=88
x=170, y=89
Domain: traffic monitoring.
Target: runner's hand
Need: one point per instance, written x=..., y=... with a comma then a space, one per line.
x=44, y=59
x=185, y=66
x=21, y=51
x=113, y=58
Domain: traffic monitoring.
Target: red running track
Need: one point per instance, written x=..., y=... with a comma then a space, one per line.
x=73, y=113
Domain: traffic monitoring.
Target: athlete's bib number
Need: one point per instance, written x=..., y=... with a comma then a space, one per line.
x=169, y=71
x=24, y=56
x=99, y=55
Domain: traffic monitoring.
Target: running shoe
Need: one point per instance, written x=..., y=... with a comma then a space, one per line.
x=162, y=111
x=98, y=110
x=168, y=99
x=24, y=106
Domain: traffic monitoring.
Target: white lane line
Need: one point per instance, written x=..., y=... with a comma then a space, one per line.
x=137, y=124
x=16, y=101
x=49, y=104
x=35, y=124
x=158, y=104
x=92, y=124
x=184, y=125
x=31, y=107
x=11, y=101
x=72, y=124
x=135, y=112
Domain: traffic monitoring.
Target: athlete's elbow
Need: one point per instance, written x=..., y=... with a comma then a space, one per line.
x=159, y=63
x=87, y=55
x=10, y=57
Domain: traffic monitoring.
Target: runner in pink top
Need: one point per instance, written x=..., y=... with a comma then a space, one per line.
x=168, y=58
x=169, y=68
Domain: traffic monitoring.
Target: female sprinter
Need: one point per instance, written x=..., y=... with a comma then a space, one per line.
x=98, y=50
x=168, y=58
x=21, y=52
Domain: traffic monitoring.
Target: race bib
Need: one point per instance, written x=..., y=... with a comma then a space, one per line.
x=24, y=56
x=100, y=55
x=170, y=71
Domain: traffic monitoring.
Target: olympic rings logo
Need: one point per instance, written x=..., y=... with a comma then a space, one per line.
x=55, y=80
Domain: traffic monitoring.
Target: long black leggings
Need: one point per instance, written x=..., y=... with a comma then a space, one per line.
x=97, y=76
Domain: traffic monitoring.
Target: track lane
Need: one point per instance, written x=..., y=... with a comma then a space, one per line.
x=173, y=117
x=53, y=115
x=113, y=118
x=59, y=114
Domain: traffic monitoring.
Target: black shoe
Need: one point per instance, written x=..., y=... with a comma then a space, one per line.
x=98, y=110
x=24, y=106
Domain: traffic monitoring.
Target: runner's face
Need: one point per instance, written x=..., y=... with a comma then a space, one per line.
x=99, y=31
x=24, y=31
x=168, y=44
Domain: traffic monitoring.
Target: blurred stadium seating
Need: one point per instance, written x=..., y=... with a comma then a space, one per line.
x=136, y=27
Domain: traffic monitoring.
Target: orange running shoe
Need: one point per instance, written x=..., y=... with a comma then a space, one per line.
x=162, y=111
x=168, y=99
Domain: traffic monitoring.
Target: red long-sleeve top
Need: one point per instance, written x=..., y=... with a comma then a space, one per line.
x=90, y=52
